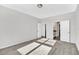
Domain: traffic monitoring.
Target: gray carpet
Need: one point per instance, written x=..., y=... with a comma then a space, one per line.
x=60, y=48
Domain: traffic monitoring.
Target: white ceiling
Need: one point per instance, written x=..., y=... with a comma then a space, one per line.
x=47, y=10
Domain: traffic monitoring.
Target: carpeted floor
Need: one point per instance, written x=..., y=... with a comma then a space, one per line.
x=60, y=48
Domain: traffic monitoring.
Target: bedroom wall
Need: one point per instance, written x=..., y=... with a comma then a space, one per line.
x=76, y=21
x=16, y=27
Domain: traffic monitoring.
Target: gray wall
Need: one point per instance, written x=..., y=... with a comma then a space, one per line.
x=16, y=27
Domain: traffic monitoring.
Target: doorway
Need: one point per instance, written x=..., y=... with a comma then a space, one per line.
x=61, y=30
x=56, y=31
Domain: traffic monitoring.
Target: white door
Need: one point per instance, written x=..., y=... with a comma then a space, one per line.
x=43, y=29
x=49, y=31
x=64, y=30
x=39, y=30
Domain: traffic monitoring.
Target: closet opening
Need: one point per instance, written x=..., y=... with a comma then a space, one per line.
x=56, y=31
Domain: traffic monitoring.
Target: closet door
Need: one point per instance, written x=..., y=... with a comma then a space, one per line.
x=39, y=30
x=49, y=30
x=43, y=30
x=64, y=30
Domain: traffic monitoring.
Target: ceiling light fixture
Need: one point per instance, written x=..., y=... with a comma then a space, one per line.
x=39, y=5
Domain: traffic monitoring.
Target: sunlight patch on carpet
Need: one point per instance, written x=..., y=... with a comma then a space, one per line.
x=50, y=42
x=24, y=50
x=42, y=50
x=42, y=40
